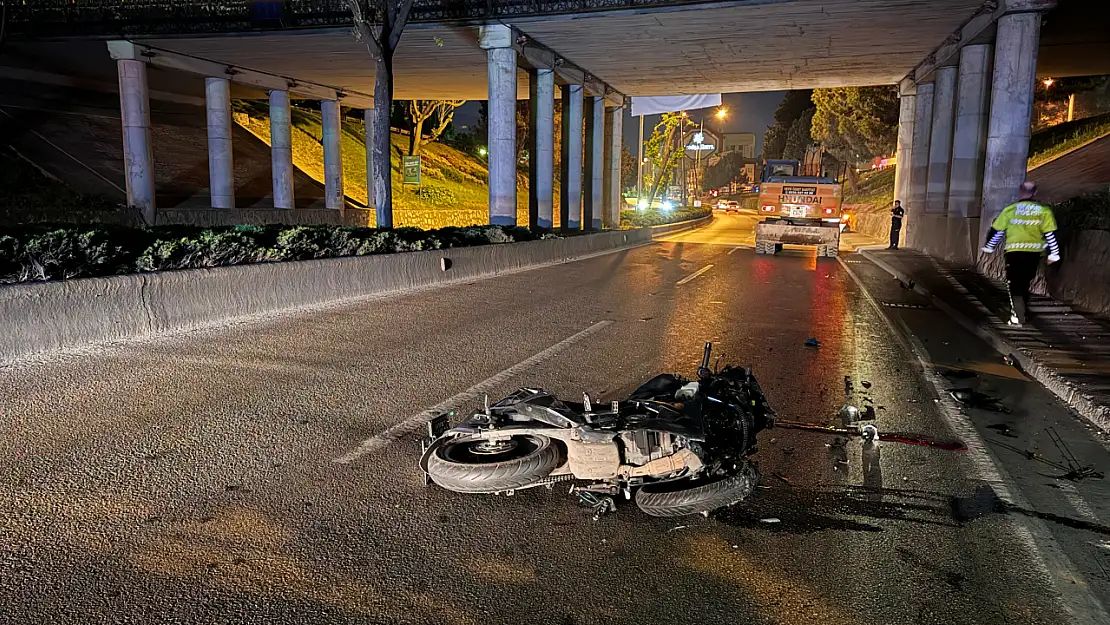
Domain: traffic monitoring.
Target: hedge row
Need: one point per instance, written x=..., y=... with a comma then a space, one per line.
x=634, y=218
x=59, y=252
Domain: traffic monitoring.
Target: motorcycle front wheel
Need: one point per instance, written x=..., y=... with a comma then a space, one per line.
x=671, y=500
x=481, y=466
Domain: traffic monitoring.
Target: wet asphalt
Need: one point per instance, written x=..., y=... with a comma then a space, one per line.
x=193, y=479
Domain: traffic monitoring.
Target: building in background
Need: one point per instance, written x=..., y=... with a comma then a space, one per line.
x=743, y=142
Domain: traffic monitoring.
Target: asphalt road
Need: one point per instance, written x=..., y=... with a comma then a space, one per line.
x=194, y=479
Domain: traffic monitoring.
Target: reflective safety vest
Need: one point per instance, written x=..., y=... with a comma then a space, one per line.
x=1025, y=223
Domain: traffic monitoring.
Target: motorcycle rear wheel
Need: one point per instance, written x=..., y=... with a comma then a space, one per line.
x=706, y=496
x=476, y=466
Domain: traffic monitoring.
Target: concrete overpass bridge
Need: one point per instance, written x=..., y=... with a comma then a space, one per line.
x=965, y=68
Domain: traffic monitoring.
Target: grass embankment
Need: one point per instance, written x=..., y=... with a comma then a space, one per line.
x=875, y=188
x=26, y=194
x=453, y=192
x=1052, y=142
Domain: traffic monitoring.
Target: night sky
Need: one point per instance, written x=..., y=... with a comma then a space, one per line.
x=747, y=112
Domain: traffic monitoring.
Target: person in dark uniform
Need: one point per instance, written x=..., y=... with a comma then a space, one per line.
x=896, y=215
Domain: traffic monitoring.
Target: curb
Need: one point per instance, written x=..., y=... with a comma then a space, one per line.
x=1095, y=413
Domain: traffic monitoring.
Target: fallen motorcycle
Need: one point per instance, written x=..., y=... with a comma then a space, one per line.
x=682, y=446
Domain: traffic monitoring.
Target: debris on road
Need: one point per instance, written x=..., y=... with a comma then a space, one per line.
x=676, y=528
x=771, y=520
x=1002, y=429
x=812, y=342
x=974, y=399
x=865, y=384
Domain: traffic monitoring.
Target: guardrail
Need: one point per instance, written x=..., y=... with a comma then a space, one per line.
x=93, y=18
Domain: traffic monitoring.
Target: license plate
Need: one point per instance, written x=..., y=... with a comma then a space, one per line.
x=797, y=211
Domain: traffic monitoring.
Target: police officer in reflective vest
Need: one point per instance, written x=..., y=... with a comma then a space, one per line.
x=1028, y=228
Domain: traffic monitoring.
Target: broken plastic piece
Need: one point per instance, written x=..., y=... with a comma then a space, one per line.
x=812, y=342
x=771, y=520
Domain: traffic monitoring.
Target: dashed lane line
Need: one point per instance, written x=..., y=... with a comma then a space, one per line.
x=413, y=423
x=694, y=275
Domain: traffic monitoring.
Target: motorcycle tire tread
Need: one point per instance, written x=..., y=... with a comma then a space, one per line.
x=699, y=499
x=492, y=477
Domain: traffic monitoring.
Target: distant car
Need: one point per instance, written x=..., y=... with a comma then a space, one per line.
x=732, y=207
x=721, y=205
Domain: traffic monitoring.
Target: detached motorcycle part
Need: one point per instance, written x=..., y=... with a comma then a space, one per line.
x=870, y=432
x=669, y=500
x=488, y=466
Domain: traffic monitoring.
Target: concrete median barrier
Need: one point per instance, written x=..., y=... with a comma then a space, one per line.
x=42, y=318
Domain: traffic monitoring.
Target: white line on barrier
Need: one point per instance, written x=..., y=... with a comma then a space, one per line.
x=694, y=275
x=410, y=425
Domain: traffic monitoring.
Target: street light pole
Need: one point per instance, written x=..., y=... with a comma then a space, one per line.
x=640, y=164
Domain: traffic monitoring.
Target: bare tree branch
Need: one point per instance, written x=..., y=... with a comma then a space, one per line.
x=364, y=31
x=397, y=21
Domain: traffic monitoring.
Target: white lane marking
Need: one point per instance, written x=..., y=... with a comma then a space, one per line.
x=410, y=425
x=1078, y=502
x=694, y=275
x=740, y=247
x=1054, y=564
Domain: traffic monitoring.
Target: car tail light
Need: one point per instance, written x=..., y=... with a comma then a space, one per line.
x=828, y=211
x=769, y=209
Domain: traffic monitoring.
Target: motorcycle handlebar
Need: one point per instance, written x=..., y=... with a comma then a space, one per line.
x=703, y=370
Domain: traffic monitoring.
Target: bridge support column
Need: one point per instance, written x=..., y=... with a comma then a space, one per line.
x=221, y=171
x=903, y=168
x=497, y=41
x=919, y=164
x=541, y=147
x=594, y=191
x=614, y=142
x=281, y=149
x=965, y=180
x=1014, y=77
x=934, y=223
x=368, y=119
x=570, y=183
x=138, y=155
x=333, y=154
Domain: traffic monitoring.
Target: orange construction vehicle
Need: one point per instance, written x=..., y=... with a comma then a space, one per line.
x=797, y=210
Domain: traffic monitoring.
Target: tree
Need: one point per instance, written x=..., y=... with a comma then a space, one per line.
x=774, y=141
x=798, y=138
x=439, y=112
x=792, y=107
x=378, y=24
x=856, y=123
x=729, y=168
x=628, y=168
x=660, y=150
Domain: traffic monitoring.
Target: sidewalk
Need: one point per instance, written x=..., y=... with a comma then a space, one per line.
x=1066, y=351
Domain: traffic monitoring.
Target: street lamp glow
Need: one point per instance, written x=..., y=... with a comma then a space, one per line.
x=481, y=151
x=722, y=113
x=667, y=206
x=1048, y=82
x=642, y=205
